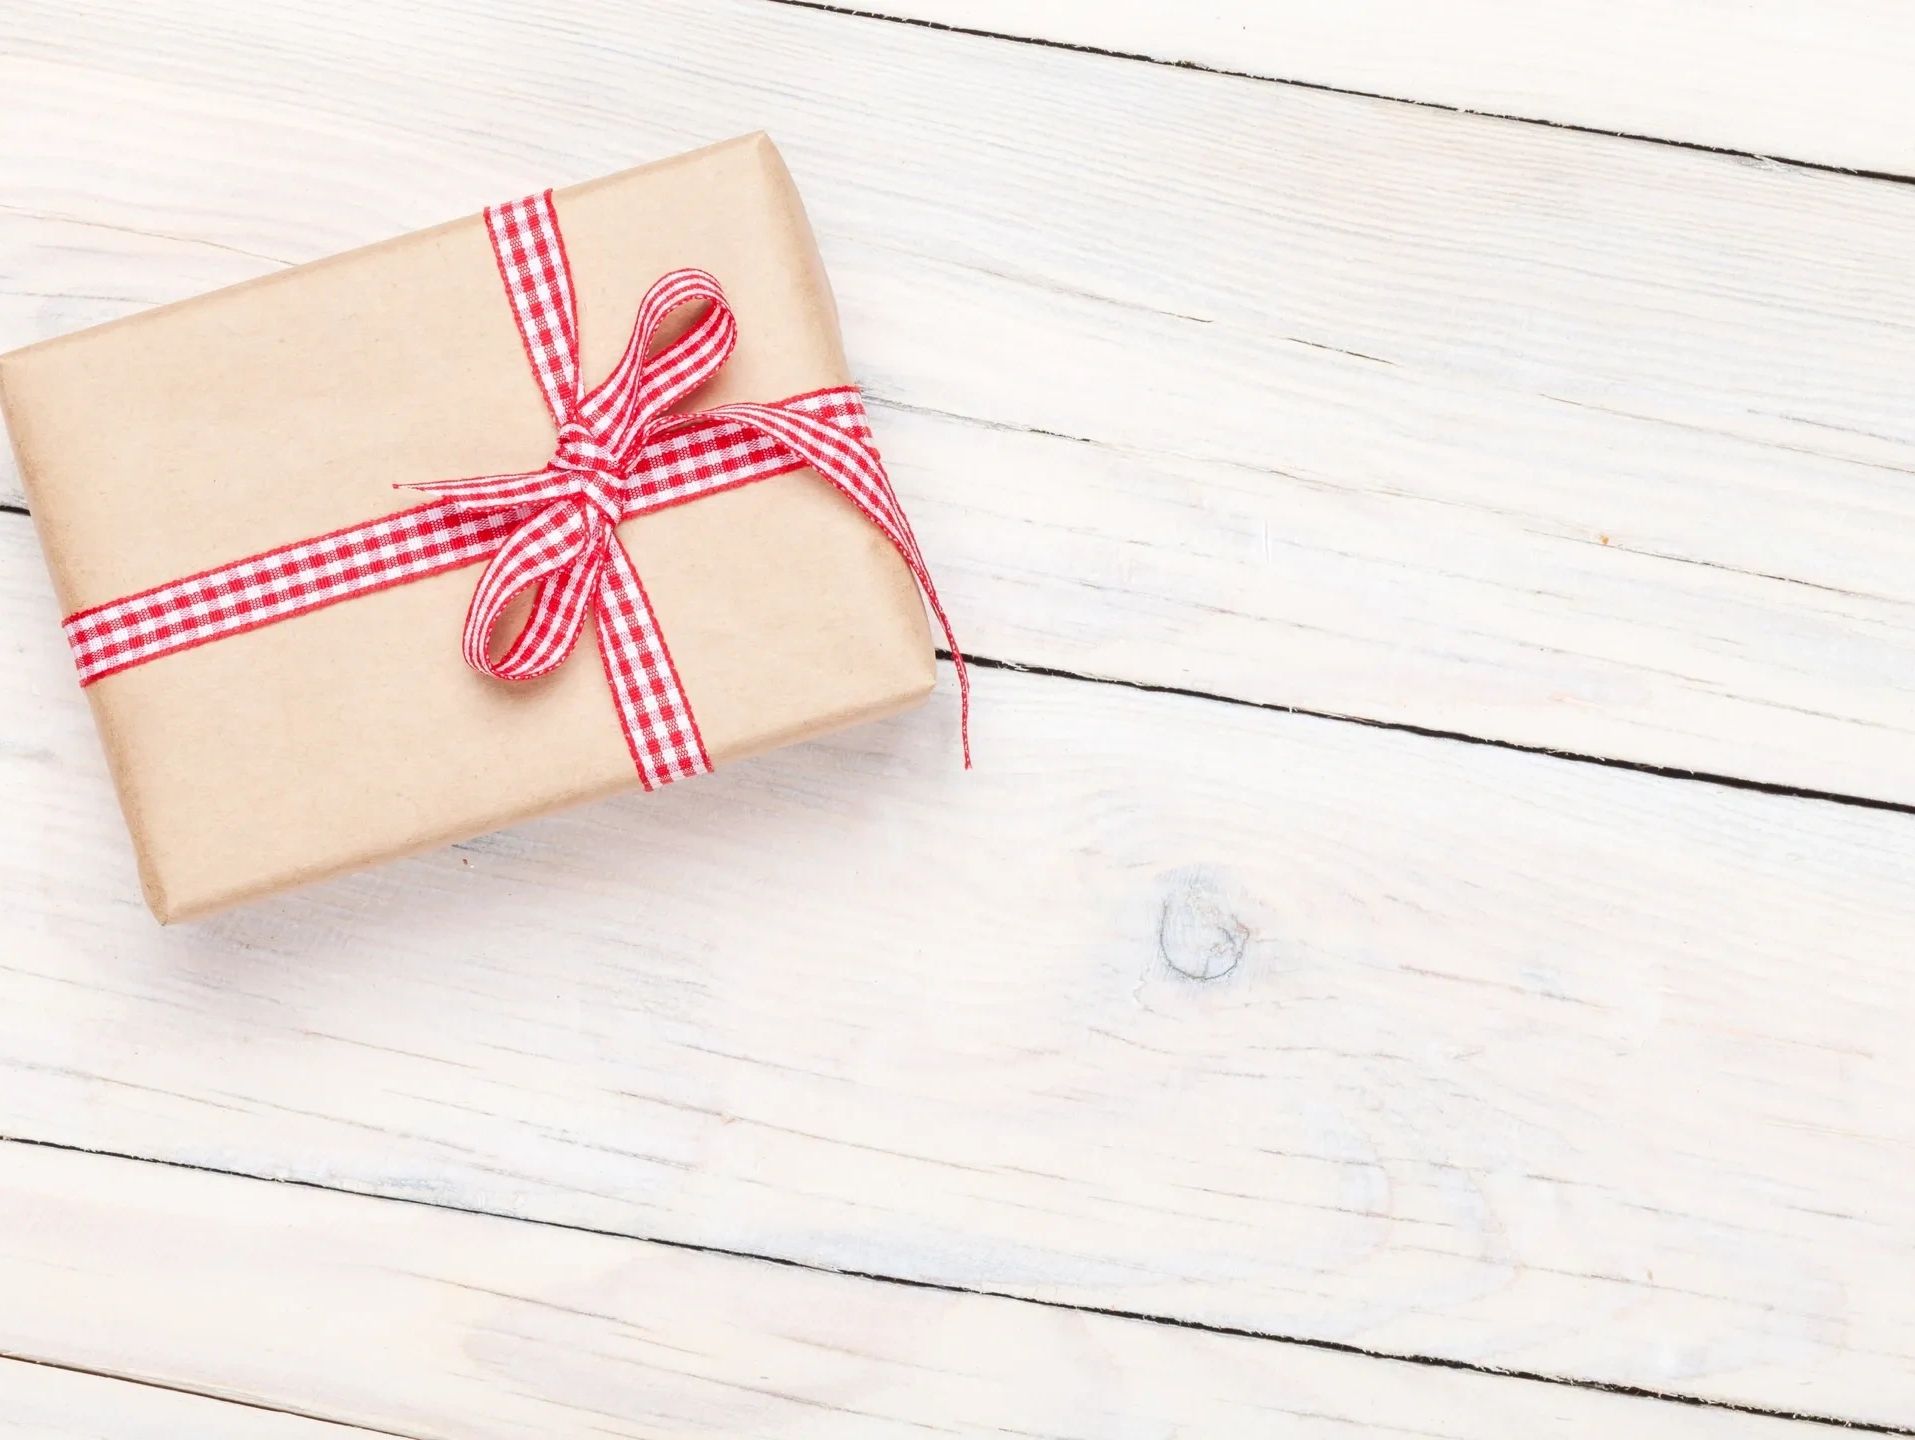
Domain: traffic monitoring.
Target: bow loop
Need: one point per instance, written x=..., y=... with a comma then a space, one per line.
x=561, y=550
x=631, y=402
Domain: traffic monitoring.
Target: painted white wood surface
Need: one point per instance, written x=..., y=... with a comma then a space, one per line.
x=424, y=1323
x=1320, y=401
x=1516, y=1061
x=1175, y=1007
x=1825, y=83
x=39, y=1402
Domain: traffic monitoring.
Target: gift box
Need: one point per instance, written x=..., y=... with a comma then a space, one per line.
x=289, y=668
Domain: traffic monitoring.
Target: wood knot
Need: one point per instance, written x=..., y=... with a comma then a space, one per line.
x=1198, y=932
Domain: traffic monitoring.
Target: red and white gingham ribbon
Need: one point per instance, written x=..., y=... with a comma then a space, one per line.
x=622, y=451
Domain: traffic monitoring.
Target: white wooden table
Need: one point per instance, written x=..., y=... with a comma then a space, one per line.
x=1429, y=947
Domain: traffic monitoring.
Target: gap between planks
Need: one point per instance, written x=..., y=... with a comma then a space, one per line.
x=1338, y=1347
x=1139, y=57
x=257, y=1407
x=1426, y=732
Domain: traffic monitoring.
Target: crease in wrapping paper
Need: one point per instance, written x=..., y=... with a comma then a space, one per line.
x=168, y=442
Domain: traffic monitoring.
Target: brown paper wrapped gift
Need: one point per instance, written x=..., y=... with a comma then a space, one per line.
x=173, y=441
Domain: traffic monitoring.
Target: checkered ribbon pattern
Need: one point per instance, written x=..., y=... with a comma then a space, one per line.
x=623, y=449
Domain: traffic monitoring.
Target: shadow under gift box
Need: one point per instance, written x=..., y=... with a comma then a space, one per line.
x=169, y=442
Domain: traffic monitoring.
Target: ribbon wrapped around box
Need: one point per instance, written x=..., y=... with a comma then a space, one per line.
x=265, y=511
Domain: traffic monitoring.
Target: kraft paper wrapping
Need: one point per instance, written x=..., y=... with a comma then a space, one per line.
x=169, y=442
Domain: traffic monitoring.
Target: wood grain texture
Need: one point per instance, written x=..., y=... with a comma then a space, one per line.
x=1190, y=1009
x=1826, y=83
x=1173, y=1007
x=1300, y=398
x=40, y=1402
x=424, y=1323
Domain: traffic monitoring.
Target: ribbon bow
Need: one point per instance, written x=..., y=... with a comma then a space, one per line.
x=621, y=450
x=618, y=447
x=566, y=545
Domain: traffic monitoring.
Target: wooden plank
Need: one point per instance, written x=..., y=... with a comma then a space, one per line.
x=39, y=1402
x=1294, y=397
x=1826, y=84
x=425, y=1322
x=1519, y=1062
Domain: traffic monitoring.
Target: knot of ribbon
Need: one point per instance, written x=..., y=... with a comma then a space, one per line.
x=621, y=449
